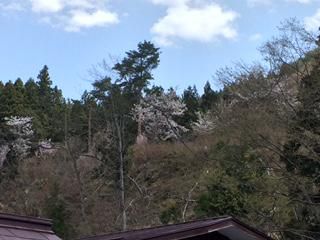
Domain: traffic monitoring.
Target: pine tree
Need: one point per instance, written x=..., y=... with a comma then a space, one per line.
x=50, y=108
x=56, y=209
x=44, y=83
x=135, y=70
x=209, y=98
x=32, y=93
x=8, y=101
x=190, y=98
x=118, y=96
x=57, y=115
x=20, y=100
x=1, y=86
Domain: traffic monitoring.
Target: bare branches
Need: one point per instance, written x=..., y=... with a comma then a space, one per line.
x=290, y=49
x=188, y=200
x=136, y=184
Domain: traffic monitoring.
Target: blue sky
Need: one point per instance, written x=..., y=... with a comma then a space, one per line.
x=196, y=37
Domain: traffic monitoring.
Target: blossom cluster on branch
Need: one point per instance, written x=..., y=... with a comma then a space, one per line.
x=157, y=114
x=21, y=128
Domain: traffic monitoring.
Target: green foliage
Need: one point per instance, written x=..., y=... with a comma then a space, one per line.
x=5, y=134
x=302, y=154
x=118, y=96
x=44, y=84
x=209, y=98
x=32, y=94
x=170, y=215
x=241, y=176
x=115, y=98
x=50, y=108
x=190, y=98
x=220, y=200
x=56, y=210
x=78, y=118
x=12, y=100
x=233, y=182
x=135, y=70
x=157, y=90
x=39, y=100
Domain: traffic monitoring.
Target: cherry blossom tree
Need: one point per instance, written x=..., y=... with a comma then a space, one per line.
x=205, y=124
x=156, y=113
x=21, y=128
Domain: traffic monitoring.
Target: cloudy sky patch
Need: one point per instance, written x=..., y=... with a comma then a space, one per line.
x=203, y=23
x=196, y=37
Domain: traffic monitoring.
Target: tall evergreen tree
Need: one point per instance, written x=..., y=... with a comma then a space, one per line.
x=135, y=70
x=32, y=93
x=44, y=82
x=20, y=100
x=190, y=98
x=118, y=96
x=8, y=101
x=49, y=108
x=1, y=86
x=56, y=209
x=57, y=114
x=209, y=97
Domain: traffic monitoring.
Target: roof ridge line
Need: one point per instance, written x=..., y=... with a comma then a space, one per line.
x=223, y=218
x=26, y=228
x=26, y=219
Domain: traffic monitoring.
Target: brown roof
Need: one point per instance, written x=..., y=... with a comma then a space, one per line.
x=214, y=228
x=14, y=227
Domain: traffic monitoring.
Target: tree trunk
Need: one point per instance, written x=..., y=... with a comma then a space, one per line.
x=80, y=183
x=119, y=126
x=90, y=130
x=66, y=127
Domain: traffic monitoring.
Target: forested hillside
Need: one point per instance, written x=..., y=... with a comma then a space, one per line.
x=130, y=154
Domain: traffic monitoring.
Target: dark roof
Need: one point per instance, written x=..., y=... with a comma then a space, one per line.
x=228, y=227
x=14, y=227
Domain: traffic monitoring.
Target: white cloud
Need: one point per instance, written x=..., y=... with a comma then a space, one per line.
x=70, y=15
x=82, y=19
x=46, y=5
x=193, y=20
x=313, y=23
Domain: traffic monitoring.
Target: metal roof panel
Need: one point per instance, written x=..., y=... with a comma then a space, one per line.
x=5, y=232
x=14, y=227
x=185, y=230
